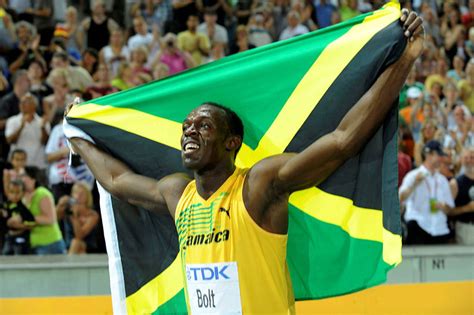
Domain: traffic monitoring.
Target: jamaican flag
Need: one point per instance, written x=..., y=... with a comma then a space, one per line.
x=343, y=234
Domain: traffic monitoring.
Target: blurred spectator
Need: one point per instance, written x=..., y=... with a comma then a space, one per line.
x=18, y=162
x=457, y=73
x=138, y=60
x=242, y=40
x=26, y=49
x=470, y=43
x=70, y=30
x=294, y=27
x=98, y=27
x=457, y=136
x=81, y=219
x=101, y=85
x=196, y=44
x=19, y=220
x=431, y=24
x=182, y=9
x=452, y=30
x=157, y=12
x=160, y=71
x=220, y=7
x=466, y=87
x=61, y=175
x=428, y=132
x=7, y=29
x=449, y=103
x=215, y=32
x=217, y=52
x=38, y=86
x=324, y=13
x=10, y=106
x=142, y=36
x=307, y=14
x=54, y=104
x=124, y=79
x=45, y=236
x=43, y=18
x=77, y=77
x=258, y=33
x=28, y=131
x=171, y=56
x=115, y=52
x=404, y=161
x=409, y=83
x=349, y=9
x=427, y=197
x=440, y=75
x=243, y=9
x=90, y=60
x=462, y=188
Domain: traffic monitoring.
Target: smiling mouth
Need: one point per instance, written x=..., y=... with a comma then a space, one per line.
x=190, y=147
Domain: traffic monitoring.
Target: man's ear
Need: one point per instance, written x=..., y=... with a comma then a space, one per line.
x=233, y=143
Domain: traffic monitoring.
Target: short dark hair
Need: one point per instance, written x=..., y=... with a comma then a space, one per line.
x=21, y=151
x=61, y=55
x=36, y=174
x=236, y=126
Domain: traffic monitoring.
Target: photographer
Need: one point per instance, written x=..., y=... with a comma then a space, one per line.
x=172, y=56
x=80, y=220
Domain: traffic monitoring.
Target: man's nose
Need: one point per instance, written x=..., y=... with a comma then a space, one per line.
x=191, y=130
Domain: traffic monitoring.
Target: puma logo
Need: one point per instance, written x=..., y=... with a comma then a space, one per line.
x=225, y=210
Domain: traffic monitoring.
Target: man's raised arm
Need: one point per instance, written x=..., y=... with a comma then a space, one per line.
x=320, y=159
x=119, y=180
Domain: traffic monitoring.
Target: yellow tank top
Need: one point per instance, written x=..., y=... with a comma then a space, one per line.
x=230, y=264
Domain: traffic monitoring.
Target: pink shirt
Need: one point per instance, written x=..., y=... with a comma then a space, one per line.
x=175, y=62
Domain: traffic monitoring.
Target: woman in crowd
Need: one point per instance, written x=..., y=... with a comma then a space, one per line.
x=124, y=79
x=170, y=55
x=101, y=84
x=45, y=236
x=80, y=219
x=38, y=87
x=90, y=60
x=115, y=52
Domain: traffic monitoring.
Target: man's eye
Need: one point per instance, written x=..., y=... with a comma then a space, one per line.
x=205, y=126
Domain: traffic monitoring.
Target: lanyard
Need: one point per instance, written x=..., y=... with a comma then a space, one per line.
x=431, y=193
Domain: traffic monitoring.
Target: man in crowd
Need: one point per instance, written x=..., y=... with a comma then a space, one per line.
x=197, y=44
x=427, y=197
x=247, y=209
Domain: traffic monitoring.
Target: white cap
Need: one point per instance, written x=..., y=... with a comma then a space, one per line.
x=413, y=92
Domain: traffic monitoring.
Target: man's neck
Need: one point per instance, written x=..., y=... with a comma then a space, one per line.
x=207, y=182
x=469, y=173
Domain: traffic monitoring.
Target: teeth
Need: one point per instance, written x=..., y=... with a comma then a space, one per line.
x=191, y=146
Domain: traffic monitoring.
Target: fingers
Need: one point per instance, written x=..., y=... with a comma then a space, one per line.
x=415, y=27
x=409, y=21
x=404, y=16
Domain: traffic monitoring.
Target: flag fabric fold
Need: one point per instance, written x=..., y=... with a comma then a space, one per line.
x=344, y=235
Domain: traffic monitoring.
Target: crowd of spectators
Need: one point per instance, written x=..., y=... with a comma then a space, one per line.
x=52, y=51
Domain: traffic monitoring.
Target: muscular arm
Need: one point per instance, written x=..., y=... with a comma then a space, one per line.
x=118, y=179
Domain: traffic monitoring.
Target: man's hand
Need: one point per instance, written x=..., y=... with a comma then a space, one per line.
x=413, y=29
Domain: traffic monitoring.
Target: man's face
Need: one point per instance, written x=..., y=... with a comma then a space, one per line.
x=192, y=23
x=210, y=18
x=23, y=34
x=203, y=145
x=28, y=105
x=139, y=26
x=58, y=62
x=468, y=158
x=434, y=159
x=23, y=83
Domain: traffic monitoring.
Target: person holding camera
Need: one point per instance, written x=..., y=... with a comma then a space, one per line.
x=80, y=220
x=173, y=57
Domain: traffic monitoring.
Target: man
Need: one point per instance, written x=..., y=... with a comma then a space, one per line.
x=215, y=32
x=27, y=47
x=197, y=44
x=427, y=197
x=142, y=36
x=28, y=131
x=294, y=27
x=462, y=188
x=9, y=105
x=234, y=221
